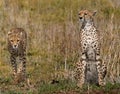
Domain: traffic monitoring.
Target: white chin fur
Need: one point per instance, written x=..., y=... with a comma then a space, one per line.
x=81, y=20
x=15, y=47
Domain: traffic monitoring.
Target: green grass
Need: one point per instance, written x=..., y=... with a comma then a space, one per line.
x=61, y=86
x=64, y=86
x=54, y=43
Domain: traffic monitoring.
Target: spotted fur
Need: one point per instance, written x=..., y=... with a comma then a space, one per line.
x=17, y=42
x=90, y=47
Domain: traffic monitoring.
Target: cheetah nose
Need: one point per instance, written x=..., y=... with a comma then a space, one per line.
x=15, y=46
x=80, y=17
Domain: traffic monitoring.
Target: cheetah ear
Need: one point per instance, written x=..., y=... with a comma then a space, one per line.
x=94, y=13
x=9, y=32
x=21, y=33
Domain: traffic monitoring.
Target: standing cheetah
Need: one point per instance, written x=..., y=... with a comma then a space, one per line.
x=17, y=41
x=90, y=47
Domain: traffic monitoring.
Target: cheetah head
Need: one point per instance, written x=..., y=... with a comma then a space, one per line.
x=86, y=16
x=14, y=38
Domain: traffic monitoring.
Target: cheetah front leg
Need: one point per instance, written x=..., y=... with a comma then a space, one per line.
x=104, y=68
x=22, y=67
x=100, y=73
x=98, y=54
x=14, y=65
x=81, y=67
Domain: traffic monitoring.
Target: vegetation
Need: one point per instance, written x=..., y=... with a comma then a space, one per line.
x=53, y=43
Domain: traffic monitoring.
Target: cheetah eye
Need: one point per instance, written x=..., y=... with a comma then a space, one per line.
x=18, y=40
x=11, y=40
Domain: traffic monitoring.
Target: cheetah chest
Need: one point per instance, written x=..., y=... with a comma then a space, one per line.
x=89, y=38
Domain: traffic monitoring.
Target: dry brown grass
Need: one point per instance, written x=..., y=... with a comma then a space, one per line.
x=53, y=30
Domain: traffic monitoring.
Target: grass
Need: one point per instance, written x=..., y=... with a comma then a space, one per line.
x=53, y=41
x=62, y=87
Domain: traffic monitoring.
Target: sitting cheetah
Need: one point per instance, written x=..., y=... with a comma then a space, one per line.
x=90, y=51
x=17, y=41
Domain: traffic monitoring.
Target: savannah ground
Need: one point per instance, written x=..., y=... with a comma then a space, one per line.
x=53, y=44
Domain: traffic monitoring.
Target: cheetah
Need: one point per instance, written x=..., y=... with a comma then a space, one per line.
x=17, y=42
x=90, y=47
